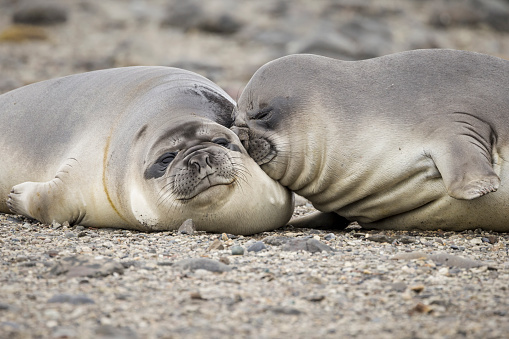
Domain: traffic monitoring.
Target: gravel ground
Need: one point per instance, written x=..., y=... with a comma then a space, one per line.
x=74, y=282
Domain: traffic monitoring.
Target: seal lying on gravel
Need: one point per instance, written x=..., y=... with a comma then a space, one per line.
x=139, y=148
x=411, y=140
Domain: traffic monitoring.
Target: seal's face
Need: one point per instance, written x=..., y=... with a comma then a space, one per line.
x=197, y=169
x=257, y=123
x=194, y=160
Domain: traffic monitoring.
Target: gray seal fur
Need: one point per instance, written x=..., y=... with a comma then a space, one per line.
x=413, y=140
x=142, y=148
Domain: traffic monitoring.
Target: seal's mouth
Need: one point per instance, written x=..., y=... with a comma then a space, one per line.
x=261, y=150
x=206, y=186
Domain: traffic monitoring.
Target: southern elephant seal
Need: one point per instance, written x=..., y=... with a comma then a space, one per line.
x=413, y=140
x=140, y=148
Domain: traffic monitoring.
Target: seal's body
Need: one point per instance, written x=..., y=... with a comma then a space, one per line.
x=138, y=147
x=411, y=140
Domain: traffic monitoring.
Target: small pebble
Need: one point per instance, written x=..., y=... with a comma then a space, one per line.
x=380, y=238
x=71, y=299
x=329, y=236
x=237, y=250
x=217, y=245
x=257, y=247
x=194, y=264
x=187, y=227
x=70, y=235
x=56, y=225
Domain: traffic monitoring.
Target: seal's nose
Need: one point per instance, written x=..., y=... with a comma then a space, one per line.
x=243, y=134
x=202, y=163
x=240, y=121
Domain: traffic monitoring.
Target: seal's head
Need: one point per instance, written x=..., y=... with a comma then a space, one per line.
x=269, y=116
x=197, y=169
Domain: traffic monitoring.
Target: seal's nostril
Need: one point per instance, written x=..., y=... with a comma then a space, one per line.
x=201, y=161
x=195, y=163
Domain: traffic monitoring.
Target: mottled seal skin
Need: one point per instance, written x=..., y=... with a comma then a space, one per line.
x=413, y=140
x=140, y=148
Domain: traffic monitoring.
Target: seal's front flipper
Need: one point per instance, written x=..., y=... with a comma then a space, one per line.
x=47, y=201
x=466, y=168
x=321, y=220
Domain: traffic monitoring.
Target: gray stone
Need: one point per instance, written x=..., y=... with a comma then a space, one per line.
x=86, y=266
x=70, y=235
x=492, y=239
x=257, y=247
x=409, y=256
x=55, y=225
x=380, y=238
x=405, y=240
x=455, y=261
x=329, y=236
x=310, y=245
x=187, y=227
x=216, y=245
x=445, y=259
x=276, y=240
x=112, y=332
x=237, y=250
x=285, y=310
x=71, y=299
x=202, y=264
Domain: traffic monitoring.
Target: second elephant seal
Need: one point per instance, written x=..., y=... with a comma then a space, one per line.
x=142, y=148
x=413, y=140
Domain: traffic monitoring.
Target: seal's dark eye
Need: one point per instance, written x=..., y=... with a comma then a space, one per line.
x=263, y=113
x=158, y=169
x=167, y=158
x=221, y=141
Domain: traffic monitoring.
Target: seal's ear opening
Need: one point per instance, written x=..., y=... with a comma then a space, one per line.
x=158, y=169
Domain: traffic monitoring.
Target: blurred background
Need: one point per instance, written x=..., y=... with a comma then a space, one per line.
x=227, y=40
